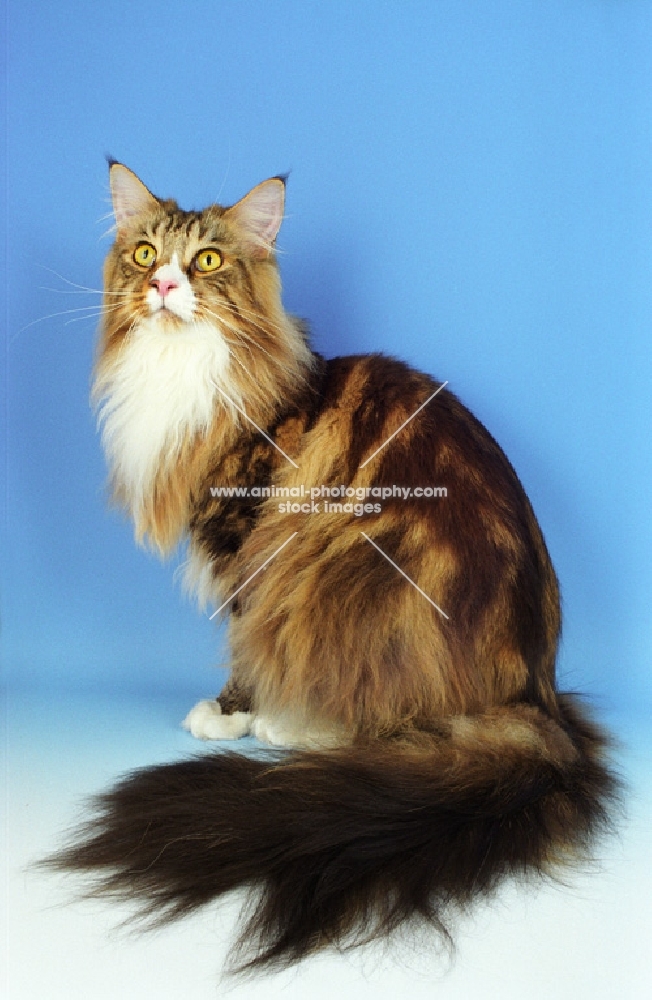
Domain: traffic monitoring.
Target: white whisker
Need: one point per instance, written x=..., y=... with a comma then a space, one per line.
x=243, y=336
x=107, y=215
x=262, y=322
x=70, y=291
x=84, y=288
x=65, y=312
x=101, y=311
x=239, y=362
x=205, y=313
x=107, y=232
x=278, y=363
x=85, y=291
x=226, y=174
x=258, y=319
x=134, y=316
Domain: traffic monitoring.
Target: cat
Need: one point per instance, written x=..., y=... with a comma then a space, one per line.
x=398, y=654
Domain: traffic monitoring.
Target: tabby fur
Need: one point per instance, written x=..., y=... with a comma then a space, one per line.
x=428, y=751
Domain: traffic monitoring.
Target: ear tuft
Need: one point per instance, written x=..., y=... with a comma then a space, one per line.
x=130, y=196
x=259, y=214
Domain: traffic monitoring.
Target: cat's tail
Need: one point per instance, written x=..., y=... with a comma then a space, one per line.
x=345, y=845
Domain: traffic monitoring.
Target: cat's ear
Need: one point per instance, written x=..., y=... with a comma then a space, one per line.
x=130, y=196
x=259, y=214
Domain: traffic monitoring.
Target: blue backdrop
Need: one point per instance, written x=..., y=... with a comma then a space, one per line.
x=470, y=189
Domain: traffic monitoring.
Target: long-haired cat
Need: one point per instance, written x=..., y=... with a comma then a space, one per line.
x=401, y=650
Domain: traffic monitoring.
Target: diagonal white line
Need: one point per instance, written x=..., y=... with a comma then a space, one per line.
x=250, y=578
x=404, y=424
x=259, y=429
x=391, y=561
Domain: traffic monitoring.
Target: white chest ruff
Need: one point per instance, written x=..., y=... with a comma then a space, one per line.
x=161, y=388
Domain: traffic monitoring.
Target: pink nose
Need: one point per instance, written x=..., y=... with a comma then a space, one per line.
x=163, y=285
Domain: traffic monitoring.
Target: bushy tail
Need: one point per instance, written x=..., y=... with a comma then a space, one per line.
x=344, y=845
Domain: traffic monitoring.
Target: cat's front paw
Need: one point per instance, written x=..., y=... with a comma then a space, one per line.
x=206, y=722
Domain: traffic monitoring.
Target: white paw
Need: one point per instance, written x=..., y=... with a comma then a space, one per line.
x=286, y=731
x=206, y=722
x=268, y=731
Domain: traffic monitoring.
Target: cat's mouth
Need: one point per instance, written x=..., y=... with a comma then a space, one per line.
x=165, y=314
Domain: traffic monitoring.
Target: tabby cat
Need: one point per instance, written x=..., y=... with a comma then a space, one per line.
x=401, y=652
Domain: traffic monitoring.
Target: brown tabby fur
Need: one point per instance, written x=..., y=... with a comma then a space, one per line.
x=457, y=760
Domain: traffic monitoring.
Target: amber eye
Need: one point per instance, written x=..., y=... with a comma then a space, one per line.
x=208, y=260
x=144, y=254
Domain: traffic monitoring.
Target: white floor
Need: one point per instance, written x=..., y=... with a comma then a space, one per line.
x=589, y=941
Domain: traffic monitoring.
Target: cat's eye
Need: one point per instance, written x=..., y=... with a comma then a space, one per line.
x=208, y=260
x=145, y=254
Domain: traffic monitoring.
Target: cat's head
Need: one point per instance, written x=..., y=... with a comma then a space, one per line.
x=179, y=266
x=170, y=271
